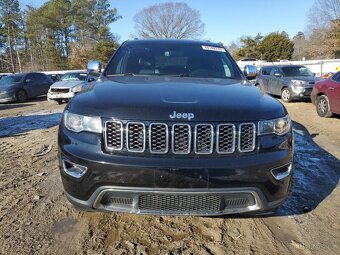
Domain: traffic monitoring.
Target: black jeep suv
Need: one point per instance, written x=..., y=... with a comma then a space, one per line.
x=174, y=127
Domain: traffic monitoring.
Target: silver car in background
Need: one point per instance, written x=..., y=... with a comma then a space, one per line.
x=70, y=84
x=287, y=81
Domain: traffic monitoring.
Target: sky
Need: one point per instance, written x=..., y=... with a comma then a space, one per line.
x=225, y=20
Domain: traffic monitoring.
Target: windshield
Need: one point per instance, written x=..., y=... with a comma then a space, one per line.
x=291, y=71
x=74, y=77
x=173, y=59
x=11, y=79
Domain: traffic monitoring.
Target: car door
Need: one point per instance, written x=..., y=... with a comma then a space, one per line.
x=264, y=78
x=30, y=85
x=274, y=83
x=334, y=93
x=44, y=83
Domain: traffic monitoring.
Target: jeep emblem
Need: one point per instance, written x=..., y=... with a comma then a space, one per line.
x=184, y=115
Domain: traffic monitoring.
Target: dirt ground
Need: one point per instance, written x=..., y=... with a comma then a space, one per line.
x=36, y=218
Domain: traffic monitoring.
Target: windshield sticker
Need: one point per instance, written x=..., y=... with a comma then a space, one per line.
x=212, y=48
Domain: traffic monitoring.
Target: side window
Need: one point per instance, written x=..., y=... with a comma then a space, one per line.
x=46, y=79
x=274, y=71
x=336, y=77
x=266, y=71
x=30, y=78
x=39, y=78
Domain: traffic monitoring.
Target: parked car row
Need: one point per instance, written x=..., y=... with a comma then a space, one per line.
x=22, y=86
x=292, y=82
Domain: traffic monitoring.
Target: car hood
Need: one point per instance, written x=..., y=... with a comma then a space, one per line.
x=66, y=84
x=153, y=99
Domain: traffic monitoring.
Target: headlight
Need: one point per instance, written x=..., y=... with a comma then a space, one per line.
x=78, y=88
x=79, y=123
x=298, y=82
x=278, y=126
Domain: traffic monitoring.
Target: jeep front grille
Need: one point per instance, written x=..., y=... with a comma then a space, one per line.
x=246, y=141
x=158, y=138
x=135, y=137
x=114, y=135
x=226, y=134
x=179, y=138
x=204, y=139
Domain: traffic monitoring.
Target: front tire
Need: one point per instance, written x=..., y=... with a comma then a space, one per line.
x=21, y=96
x=322, y=106
x=286, y=95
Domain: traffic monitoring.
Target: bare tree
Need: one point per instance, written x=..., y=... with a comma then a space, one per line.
x=323, y=13
x=324, y=29
x=169, y=20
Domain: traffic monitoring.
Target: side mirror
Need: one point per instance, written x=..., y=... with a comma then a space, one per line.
x=277, y=75
x=91, y=79
x=314, y=74
x=94, y=66
x=250, y=71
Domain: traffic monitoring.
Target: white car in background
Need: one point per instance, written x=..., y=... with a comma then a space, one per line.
x=250, y=61
x=70, y=84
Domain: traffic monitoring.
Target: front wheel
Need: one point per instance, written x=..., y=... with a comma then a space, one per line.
x=322, y=106
x=21, y=96
x=286, y=96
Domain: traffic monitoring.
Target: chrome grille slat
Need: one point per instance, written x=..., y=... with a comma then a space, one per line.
x=135, y=137
x=246, y=137
x=225, y=138
x=179, y=138
x=204, y=139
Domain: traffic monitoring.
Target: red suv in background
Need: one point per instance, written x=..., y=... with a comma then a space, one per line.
x=326, y=96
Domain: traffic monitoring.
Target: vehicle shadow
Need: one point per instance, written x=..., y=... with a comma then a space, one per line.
x=13, y=126
x=29, y=102
x=13, y=106
x=316, y=174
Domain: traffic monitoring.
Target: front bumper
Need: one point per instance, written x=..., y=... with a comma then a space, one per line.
x=7, y=97
x=301, y=92
x=60, y=96
x=120, y=182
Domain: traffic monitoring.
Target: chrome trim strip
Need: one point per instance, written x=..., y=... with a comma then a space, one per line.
x=239, y=137
x=173, y=138
x=211, y=139
x=218, y=139
x=121, y=136
x=134, y=192
x=166, y=135
x=127, y=137
x=283, y=175
x=83, y=169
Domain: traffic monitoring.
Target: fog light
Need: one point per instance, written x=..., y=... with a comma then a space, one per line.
x=301, y=94
x=282, y=172
x=72, y=169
